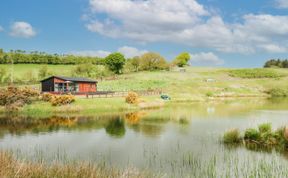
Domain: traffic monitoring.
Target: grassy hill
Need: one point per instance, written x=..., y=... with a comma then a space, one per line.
x=194, y=84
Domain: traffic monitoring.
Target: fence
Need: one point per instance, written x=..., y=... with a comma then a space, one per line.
x=111, y=94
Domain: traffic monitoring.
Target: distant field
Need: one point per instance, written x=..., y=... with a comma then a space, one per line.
x=194, y=84
x=20, y=70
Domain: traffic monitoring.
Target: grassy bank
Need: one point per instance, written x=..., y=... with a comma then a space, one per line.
x=11, y=167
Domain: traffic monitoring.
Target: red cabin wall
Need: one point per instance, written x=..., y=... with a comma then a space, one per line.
x=87, y=87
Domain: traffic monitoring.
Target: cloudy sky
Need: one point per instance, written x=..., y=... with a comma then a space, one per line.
x=228, y=33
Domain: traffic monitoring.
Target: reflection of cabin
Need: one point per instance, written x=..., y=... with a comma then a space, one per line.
x=59, y=84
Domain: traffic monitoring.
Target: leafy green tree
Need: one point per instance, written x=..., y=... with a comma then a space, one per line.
x=152, y=61
x=115, y=62
x=182, y=59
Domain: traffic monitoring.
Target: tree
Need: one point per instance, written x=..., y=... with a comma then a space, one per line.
x=182, y=59
x=152, y=61
x=115, y=62
x=133, y=64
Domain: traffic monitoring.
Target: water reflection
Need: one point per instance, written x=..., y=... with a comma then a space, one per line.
x=116, y=128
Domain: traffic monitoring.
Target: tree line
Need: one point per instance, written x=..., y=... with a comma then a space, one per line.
x=36, y=57
x=276, y=63
x=115, y=62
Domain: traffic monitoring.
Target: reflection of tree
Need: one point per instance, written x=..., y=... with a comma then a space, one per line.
x=116, y=128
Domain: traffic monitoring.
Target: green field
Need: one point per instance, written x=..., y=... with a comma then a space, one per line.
x=196, y=84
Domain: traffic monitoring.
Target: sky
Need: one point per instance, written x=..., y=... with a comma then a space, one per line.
x=225, y=33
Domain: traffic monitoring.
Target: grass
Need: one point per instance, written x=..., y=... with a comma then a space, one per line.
x=256, y=73
x=192, y=85
x=11, y=167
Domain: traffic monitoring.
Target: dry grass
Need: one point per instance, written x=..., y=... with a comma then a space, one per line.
x=11, y=167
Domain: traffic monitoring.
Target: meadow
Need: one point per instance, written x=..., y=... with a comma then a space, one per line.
x=195, y=84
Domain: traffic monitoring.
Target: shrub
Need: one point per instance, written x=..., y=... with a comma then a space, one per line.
x=265, y=128
x=209, y=94
x=13, y=98
x=62, y=100
x=132, y=98
x=252, y=134
x=278, y=92
x=28, y=92
x=47, y=97
x=232, y=136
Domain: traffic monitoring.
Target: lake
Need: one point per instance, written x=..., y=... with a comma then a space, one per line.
x=178, y=140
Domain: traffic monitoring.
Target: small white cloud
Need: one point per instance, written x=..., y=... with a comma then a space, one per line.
x=1, y=29
x=91, y=53
x=206, y=59
x=272, y=48
x=22, y=30
x=130, y=52
x=282, y=4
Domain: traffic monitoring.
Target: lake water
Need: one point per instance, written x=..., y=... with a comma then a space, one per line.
x=178, y=140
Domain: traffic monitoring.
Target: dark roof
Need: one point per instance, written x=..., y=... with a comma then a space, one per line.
x=72, y=79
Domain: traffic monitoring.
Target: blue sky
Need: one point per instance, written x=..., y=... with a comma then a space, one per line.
x=238, y=33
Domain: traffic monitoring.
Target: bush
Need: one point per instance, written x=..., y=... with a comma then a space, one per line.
x=132, y=98
x=62, y=100
x=265, y=128
x=47, y=97
x=232, y=136
x=252, y=134
x=278, y=92
x=13, y=98
x=255, y=73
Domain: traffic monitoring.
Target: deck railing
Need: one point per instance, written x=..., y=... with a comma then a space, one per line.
x=111, y=94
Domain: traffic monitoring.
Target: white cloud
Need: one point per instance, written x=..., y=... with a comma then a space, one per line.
x=186, y=22
x=282, y=4
x=1, y=29
x=130, y=52
x=22, y=30
x=127, y=51
x=206, y=59
x=91, y=53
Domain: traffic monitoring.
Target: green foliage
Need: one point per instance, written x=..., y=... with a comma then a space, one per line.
x=276, y=63
x=89, y=70
x=265, y=128
x=232, y=136
x=132, y=65
x=115, y=62
x=152, y=61
x=182, y=59
x=255, y=73
x=43, y=72
x=209, y=94
x=23, y=57
x=252, y=134
x=3, y=73
x=278, y=92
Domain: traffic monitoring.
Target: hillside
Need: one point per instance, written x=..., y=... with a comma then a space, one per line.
x=194, y=84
